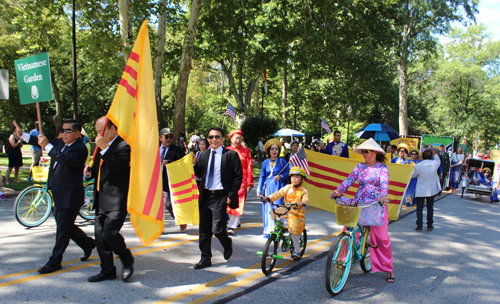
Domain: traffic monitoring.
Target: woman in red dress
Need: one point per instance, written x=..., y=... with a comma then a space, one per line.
x=236, y=138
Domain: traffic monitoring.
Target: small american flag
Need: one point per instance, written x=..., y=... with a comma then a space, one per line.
x=299, y=160
x=325, y=126
x=230, y=111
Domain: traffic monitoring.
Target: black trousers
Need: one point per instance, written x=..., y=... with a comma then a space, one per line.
x=443, y=179
x=66, y=230
x=213, y=220
x=108, y=240
x=430, y=211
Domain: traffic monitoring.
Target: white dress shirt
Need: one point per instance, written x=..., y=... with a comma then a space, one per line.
x=428, y=181
x=216, y=182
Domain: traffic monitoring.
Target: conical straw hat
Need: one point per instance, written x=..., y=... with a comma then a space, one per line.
x=371, y=145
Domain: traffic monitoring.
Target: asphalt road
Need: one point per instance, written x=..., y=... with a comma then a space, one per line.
x=458, y=262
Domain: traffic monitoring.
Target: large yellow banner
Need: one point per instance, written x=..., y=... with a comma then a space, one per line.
x=412, y=142
x=133, y=112
x=184, y=191
x=328, y=172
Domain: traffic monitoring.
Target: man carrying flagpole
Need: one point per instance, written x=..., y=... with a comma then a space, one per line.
x=110, y=201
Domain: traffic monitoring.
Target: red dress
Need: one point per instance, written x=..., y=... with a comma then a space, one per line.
x=247, y=166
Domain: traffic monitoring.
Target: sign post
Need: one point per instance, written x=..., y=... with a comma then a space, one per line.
x=4, y=84
x=34, y=81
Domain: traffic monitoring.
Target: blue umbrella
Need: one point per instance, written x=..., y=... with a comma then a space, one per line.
x=288, y=132
x=378, y=132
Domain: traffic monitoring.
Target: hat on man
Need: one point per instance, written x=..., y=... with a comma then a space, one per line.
x=272, y=141
x=234, y=132
x=166, y=131
x=371, y=145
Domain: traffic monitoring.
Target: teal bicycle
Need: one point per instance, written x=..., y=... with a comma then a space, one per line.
x=351, y=246
x=279, y=237
x=34, y=205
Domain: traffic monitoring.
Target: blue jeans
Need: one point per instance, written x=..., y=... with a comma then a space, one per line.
x=430, y=210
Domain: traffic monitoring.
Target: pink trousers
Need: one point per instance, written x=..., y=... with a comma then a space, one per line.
x=381, y=257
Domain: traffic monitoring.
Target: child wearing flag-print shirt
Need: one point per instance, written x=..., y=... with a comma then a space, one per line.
x=294, y=194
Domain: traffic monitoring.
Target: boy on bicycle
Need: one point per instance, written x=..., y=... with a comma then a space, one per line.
x=294, y=194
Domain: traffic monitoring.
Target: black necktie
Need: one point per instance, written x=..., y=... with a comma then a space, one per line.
x=211, y=172
x=163, y=154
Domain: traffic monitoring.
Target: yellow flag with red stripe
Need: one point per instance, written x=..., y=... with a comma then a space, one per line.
x=328, y=172
x=133, y=112
x=184, y=191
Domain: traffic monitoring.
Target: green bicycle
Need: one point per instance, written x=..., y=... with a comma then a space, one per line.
x=351, y=246
x=34, y=205
x=277, y=237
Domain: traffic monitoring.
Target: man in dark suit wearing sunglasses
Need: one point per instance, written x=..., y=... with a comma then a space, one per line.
x=221, y=176
x=68, y=155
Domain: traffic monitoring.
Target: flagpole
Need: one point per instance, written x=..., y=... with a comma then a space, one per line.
x=223, y=120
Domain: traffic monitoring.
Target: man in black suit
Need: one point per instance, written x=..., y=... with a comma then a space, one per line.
x=68, y=155
x=112, y=174
x=221, y=176
x=169, y=153
x=445, y=165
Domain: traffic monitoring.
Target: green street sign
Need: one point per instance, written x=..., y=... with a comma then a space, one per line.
x=33, y=78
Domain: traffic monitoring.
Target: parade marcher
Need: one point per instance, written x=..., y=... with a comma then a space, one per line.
x=15, y=156
x=202, y=146
x=245, y=155
x=336, y=147
x=402, y=155
x=445, y=165
x=193, y=142
x=294, y=146
x=169, y=153
x=273, y=175
x=388, y=151
x=68, y=155
x=487, y=181
x=294, y=193
x=112, y=175
x=456, y=169
x=373, y=179
x=412, y=185
x=221, y=177
x=487, y=155
x=427, y=188
x=36, y=152
x=261, y=150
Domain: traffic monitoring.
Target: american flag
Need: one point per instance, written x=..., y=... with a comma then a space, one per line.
x=230, y=111
x=325, y=126
x=299, y=159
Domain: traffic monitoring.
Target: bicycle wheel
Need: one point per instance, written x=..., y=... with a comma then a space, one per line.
x=338, y=264
x=303, y=244
x=86, y=211
x=268, y=259
x=366, y=261
x=32, y=206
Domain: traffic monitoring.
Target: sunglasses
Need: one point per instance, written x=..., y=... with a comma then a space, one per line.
x=168, y=136
x=366, y=152
x=275, y=149
x=414, y=154
x=402, y=150
x=214, y=136
x=67, y=131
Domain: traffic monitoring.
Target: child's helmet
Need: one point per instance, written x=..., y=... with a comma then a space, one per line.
x=298, y=170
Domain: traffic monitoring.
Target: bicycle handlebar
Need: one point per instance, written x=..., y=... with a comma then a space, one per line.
x=288, y=205
x=356, y=204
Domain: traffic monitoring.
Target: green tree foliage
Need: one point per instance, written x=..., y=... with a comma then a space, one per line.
x=253, y=128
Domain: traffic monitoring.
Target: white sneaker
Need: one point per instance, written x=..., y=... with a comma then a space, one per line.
x=230, y=231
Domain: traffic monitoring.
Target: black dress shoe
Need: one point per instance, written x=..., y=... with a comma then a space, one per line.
x=101, y=277
x=49, y=268
x=87, y=253
x=202, y=264
x=430, y=228
x=418, y=229
x=127, y=273
x=228, y=251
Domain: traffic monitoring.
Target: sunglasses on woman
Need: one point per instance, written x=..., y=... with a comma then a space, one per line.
x=365, y=151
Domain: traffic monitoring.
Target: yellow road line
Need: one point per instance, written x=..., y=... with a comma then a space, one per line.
x=250, y=279
x=240, y=272
x=18, y=281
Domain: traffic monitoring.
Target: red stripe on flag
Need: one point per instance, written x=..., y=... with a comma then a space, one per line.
x=332, y=179
x=185, y=200
x=134, y=57
x=153, y=185
x=132, y=91
x=314, y=165
x=130, y=70
x=330, y=187
x=179, y=184
x=397, y=184
x=194, y=187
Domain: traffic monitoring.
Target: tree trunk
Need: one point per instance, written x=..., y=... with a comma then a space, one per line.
x=125, y=27
x=403, y=98
x=158, y=61
x=185, y=69
x=283, y=100
x=256, y=97
x=56, y=119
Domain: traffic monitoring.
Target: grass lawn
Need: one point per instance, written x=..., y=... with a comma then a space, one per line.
x=256, y=170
